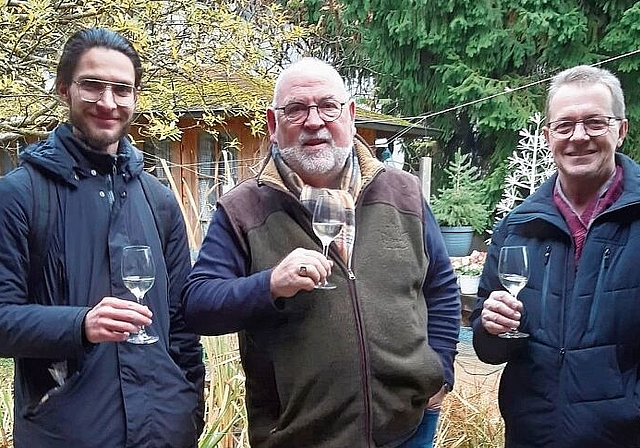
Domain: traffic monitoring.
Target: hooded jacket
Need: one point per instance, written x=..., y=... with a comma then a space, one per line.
x=350, y=367
x=574, y=382
x=113, y=394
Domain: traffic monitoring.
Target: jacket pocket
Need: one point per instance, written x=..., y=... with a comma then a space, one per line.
x=51, y=397
x=601, y=381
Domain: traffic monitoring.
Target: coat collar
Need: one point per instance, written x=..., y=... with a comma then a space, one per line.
x=64, y=157
x=541, y=202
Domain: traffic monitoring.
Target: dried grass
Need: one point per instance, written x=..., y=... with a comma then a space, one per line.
x=470, y=418
x=6, y=412
x=225, y=414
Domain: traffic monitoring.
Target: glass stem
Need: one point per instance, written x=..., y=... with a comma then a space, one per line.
x=325, y=252
x=140, y=300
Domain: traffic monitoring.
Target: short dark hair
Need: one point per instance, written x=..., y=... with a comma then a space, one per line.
x=83, y=41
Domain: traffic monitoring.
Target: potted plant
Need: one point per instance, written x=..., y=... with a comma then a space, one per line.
x=459, y=207
x=468, y=270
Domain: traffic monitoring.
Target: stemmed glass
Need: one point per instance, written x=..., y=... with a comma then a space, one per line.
x=328, y=220
x=138, y=275
x=513, y=271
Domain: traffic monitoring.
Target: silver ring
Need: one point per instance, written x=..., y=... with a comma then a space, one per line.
x=302, y=270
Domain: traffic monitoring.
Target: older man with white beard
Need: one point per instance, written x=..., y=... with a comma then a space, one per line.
x=365, y=364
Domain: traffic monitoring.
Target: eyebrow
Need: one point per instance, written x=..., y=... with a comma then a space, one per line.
x=117, y=83
x=298, y=100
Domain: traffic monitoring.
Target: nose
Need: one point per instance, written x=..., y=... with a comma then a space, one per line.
x=107, y=98
x=579, y=135
x=313, y=119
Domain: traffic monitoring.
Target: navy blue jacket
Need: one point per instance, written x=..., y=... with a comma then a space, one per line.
x=574, y=382
x=115, y=394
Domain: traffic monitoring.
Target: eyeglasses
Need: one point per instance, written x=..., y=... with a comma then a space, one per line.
x=91, y=91
x=328, y=110
x=593, y=126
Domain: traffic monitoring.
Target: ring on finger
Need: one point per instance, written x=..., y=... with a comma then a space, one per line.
x=302, y=270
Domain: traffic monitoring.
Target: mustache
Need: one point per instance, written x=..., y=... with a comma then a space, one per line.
x=322, y=134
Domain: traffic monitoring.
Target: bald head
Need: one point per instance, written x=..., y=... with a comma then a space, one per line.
x=321, y=71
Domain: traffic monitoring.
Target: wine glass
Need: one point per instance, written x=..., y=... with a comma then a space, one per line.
x=513, y=271
x=328, y=220
x=138, y=275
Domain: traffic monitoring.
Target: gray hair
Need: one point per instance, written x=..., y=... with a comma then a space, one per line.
x=586, y=74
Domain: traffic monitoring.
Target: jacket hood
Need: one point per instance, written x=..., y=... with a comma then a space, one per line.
x=65, y=158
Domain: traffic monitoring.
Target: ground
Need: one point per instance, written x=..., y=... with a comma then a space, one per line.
x=6, y=373
x=470, y=417
x=471, y=373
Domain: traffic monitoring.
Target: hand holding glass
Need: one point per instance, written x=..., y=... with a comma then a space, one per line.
x=513, y=271
x=328, y=220
x=138, y=275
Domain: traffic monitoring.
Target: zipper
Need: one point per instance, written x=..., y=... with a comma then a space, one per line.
x=545, y=286
x=604, y=265
x=364, y=361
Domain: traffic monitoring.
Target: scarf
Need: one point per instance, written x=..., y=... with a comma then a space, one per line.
x=347, y=194
x=579, y=224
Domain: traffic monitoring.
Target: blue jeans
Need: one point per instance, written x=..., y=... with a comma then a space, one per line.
x=426, y=432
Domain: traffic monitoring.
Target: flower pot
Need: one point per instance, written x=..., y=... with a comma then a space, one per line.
x=469, y=284
x=457, y=240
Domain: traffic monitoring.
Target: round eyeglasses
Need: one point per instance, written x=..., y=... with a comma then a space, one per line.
x=593, y=126
x=91, y=91
x=296, y=113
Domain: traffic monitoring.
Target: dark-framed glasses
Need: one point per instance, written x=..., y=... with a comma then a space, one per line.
x=593, y=126
x=296, y=113
x=91, y=91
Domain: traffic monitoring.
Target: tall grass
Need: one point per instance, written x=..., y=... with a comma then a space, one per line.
x=225, y=413
x=6, y=411
x=469, y=418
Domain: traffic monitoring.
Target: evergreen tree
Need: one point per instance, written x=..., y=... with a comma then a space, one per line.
x=433, y=55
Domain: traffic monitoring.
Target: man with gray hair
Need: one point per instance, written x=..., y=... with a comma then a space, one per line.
x=353, y=366
x=574, y=381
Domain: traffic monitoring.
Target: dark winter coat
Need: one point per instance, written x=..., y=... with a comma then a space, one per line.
x=574, y=382
x=115, y=394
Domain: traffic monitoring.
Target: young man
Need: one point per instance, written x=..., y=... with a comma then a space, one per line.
x=78, y=382
x=574, y=381
x=356, y=365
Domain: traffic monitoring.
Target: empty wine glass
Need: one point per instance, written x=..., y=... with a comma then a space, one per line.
x=328, y=220
x=138, y=275
x=513, y=271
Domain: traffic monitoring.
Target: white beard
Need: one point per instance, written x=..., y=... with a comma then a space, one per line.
x=329, y=161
